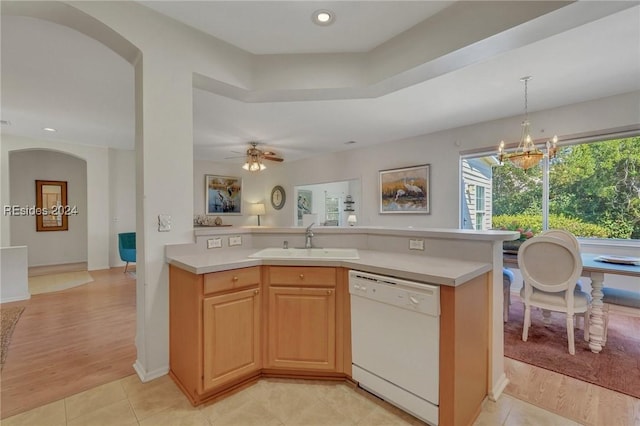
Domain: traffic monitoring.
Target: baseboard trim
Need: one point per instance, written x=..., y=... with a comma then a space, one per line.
x=15, y=298
x=498, y=388
x=147, y=376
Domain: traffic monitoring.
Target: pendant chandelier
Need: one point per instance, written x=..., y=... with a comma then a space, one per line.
x=527, y=154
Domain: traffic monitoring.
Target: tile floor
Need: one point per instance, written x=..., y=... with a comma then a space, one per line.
x=57, y=282
x=268, y=402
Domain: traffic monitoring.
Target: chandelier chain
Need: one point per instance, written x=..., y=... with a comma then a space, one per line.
x=526, y=96
x=527, y=154
x=526, y=100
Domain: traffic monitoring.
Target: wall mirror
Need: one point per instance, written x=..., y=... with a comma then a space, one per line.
x=51, y=206
x=326, y=204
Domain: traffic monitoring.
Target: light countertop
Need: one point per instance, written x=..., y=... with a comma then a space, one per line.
x=428, y=269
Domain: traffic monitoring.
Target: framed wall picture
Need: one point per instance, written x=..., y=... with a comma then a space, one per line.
x=305, y=203
x=223, y=195
x=52, y=210
x=405, y=190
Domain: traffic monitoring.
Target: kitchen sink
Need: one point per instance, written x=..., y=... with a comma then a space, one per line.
x=304, y=253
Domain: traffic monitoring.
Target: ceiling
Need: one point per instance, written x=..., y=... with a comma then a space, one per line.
x=53, y=76
x=266, y=27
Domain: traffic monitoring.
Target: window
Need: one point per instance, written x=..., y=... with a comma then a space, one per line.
x=590, y=189
x=480, y=208
x=332, y=209
x=480, y=198
x=479, y=221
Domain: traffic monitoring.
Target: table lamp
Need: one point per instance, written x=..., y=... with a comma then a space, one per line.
x=258, y=209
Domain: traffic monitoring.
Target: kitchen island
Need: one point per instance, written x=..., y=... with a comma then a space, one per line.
x=295, y=313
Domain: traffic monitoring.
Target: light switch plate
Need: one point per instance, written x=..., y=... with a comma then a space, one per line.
x=214, y=243
x=164, y=223
x=416, y=244
x=235, y=241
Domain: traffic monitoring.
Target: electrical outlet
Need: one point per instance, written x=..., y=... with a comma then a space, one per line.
x=235, y=241
x=214, y=243
x=416, y=244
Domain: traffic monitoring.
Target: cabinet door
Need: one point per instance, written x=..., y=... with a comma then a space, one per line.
x=231, y=337
x=302, y=328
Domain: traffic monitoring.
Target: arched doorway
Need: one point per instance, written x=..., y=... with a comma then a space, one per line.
x=44, y=248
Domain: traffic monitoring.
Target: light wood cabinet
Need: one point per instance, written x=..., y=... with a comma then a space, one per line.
x=231, y=337
x=228, y=328
x=304, y=328
x=215, y=330
x=464, y=350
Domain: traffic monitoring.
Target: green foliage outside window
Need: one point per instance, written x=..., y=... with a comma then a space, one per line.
x=534, y=223
x=594, y=191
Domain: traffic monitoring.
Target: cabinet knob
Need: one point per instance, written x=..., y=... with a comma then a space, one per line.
x=256, y=292
x=234, y=279
x=329, y=291
x=302, y=276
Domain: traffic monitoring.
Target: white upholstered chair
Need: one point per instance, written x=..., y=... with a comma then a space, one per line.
x=570, y=238
x=550, y=268
x=563, y=235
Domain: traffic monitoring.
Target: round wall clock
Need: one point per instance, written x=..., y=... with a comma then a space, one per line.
x=278, y=197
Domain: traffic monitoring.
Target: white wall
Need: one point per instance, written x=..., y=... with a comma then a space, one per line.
x=14, y=281
x=254, y=190
x=97, y=203
x=122, y=193
x=52, y=247
x=442, y=150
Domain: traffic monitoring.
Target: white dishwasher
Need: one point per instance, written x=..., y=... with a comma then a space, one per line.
x=395, y=333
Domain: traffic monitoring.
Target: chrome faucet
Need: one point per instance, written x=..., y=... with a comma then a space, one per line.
x=308, y=243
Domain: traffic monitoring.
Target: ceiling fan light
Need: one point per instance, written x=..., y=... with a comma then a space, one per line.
x=254, y=166
x=255, y=157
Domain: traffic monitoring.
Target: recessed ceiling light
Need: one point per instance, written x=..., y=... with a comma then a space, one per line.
x=49, y=129
x=323, y=17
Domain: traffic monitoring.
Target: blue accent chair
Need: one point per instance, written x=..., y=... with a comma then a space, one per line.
x=127, y=247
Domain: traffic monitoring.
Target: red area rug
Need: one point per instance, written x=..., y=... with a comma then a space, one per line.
x=617, y=367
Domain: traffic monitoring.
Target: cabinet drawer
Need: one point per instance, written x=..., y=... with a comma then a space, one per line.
x=303, y=275
x=229, y=280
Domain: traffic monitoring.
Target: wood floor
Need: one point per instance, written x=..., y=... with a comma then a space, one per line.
x=77, y=339
x=69, y=341
x=587, y=404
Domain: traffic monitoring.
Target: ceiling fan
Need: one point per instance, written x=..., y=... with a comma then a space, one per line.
x=255, y=156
